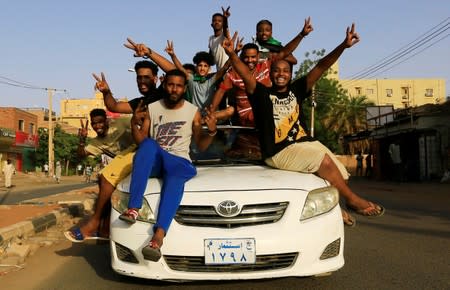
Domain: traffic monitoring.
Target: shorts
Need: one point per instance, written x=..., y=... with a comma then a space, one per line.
x=120, y=167
x=304, y=157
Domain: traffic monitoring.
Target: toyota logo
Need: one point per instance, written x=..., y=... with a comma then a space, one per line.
x=228, y=208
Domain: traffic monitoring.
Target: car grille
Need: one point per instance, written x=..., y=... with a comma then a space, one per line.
x=254, y=214
x=263, y=263
x=332, y=250
x=125, y=254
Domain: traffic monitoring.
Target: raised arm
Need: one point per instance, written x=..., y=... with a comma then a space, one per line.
x=171, y=51
x=203, y=139
x=141, y=50
x=140, y=123
x=327, y=61
x=219, y=74
x=238, y=65
x=226, y=13
x=289, y=48
x=111, y=104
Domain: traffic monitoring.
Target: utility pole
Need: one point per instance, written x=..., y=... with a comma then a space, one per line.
x=313, y=106
x=51, y=152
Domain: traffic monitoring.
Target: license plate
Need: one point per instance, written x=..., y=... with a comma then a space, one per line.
x=230, y=251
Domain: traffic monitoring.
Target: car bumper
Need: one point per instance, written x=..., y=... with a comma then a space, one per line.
x=288, y=247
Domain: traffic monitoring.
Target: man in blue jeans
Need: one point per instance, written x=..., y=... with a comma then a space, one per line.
x=163, y=131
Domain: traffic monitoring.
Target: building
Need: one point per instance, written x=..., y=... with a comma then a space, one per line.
x=399, y=93
x=74, y=110
x=18, y=137
x=423, y=136
x=42, y=116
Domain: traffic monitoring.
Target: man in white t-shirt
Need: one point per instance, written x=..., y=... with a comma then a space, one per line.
x=219, y=24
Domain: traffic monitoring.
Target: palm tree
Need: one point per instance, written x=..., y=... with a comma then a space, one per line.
x=347, y=115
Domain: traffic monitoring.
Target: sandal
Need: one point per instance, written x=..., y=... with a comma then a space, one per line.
x=129, y=216
x=373, y=210
x=348, y=219
x=75, y=236
x=151, y=252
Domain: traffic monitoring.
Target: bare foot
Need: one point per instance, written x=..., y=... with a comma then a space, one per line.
x=157, y=239
x=90, y=228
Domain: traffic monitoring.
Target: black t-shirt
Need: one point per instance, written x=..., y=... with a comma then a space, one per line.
x=278, y=116
x=153, y=96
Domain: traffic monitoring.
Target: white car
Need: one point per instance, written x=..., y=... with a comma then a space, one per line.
x=235, y=221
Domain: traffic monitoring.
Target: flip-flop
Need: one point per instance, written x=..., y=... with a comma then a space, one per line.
x=368, y=210
x=74, y=235
x=129, y=216
x=150, y=253
x=348, y=219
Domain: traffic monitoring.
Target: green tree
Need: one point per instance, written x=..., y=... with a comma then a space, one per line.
x=65, y=148
x=335, y=113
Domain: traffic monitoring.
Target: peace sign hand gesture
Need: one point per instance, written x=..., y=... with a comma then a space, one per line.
x=228, y=43
x=140, y=114
x=226, y=12
x=169, y=48
x=83, y=131
x=351, y=37
x=140, y=49
x=307, y=28
x=101, y=84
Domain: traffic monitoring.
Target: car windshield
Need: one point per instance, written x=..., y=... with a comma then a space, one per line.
x=231, y=145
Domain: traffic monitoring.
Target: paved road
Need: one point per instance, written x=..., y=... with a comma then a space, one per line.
x=18, y=196
x=408, y=248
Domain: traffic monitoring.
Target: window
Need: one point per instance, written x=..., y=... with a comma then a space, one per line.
x=358, y=91
x=389, y=93
x=369, y=91
x=428, y=92
x=31, y=132
x=21, y=125
x=405, y=93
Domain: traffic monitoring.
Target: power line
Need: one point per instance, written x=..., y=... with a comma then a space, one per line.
x=14, y=83
x=410, y=47
x=11, y=82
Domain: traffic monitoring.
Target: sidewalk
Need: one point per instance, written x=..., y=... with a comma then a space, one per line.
x=24, y=220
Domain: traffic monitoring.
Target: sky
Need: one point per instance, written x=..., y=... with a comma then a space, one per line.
x=59, y=44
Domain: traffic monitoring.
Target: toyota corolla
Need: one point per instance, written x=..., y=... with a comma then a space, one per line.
x=235, y=221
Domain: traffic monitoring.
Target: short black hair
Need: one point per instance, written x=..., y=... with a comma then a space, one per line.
x=264, y=21
x=147, y=64
x=249, y=46
x=203, y=56
x=217, y=14
x=175, y=72
x=189, y=66
x=97, y=112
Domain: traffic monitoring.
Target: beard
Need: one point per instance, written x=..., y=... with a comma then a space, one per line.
x=172, y=100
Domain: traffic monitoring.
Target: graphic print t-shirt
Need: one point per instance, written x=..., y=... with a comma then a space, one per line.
x=172, y=129
x=278, y=116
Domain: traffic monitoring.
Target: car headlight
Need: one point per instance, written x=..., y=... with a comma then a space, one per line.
x=119, y=202
x=320, y=201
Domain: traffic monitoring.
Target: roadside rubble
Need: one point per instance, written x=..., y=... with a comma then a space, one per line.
x=22, y=239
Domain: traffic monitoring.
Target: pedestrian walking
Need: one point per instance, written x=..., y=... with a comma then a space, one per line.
x=88, y=173
x=8, y=172
x=58, y=172
x=359, y=164
x=46, y=169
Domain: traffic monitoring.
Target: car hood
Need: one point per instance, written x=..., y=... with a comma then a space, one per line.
x=239, y=177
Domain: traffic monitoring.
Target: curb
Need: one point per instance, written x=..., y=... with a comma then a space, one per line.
x=39, y=223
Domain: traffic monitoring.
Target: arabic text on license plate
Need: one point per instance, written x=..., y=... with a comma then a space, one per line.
x=230, y=251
